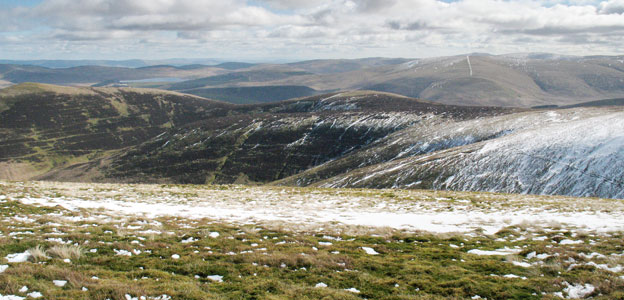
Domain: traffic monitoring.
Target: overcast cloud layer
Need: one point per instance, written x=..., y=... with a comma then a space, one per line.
x=305, y=29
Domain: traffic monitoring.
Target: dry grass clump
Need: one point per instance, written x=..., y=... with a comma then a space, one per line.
x=76, y=279
x=10, y=285
x=38, y=254
x=66, y=251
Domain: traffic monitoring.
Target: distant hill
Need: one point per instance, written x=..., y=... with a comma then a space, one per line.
x=597, y=103
x=236, y=78
x=132, y=63
x=606, y=102
x=129, y=63
x=254, y=94
x=98, y=74
x=332, y=66
x=234, y=65
x=505, y=80
x=514, y=80
x=518, y=80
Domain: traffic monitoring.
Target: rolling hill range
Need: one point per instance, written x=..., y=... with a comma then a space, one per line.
x=88, y=75
x=343, y=139
x=130, y=63
x=508, y=80
x=514, y=80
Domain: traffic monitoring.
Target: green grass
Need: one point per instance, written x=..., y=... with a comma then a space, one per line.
x=261, y=263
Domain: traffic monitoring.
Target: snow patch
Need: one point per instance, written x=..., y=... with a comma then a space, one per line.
x=122, y=252
x=502, y=251
x=521, y=264
x=59, y=283
x=18, y=257
x=320, y=285
x=570, y=242
x=34, y=295
x=578, y=291
x=189, y=240
x=370, y=251
x=215, y=278
x=10, y=297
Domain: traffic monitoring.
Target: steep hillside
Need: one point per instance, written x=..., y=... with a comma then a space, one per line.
x=263, y=143
x=45, y=126
x=576, y=152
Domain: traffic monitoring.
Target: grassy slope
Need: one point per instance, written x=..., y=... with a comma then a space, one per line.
x=271, y=263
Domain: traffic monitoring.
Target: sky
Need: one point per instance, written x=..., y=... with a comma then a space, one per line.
x=273, y=30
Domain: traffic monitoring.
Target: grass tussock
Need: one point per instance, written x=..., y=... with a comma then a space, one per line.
x=66, y=252
x=38, y=254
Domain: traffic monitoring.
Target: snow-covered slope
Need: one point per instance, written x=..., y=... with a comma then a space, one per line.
x=576, y=152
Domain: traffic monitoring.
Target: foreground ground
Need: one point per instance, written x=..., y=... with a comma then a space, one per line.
x=105, y=241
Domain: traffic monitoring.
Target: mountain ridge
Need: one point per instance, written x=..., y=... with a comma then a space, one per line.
x=341, y=139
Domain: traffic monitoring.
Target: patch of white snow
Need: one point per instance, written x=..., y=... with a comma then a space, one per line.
x=215, y=278
x=18, y=257
x=578, y=291
x=370, y=251
x=59, y=283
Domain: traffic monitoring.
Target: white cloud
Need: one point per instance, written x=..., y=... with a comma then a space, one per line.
x=315, y=28
x=612, y=7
